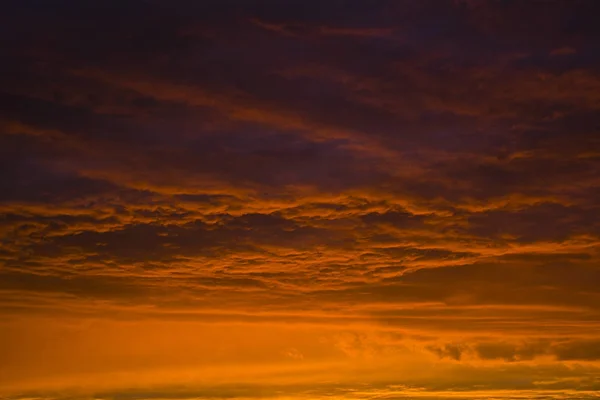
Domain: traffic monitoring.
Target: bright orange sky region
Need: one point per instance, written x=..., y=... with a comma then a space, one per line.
x=299, y=200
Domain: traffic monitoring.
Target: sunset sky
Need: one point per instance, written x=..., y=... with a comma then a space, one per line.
x=299, y=199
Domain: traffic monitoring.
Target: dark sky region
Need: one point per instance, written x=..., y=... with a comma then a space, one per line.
x=298, y=200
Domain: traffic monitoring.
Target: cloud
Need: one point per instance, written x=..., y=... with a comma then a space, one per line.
x=526, y=350
x=451, y=351
x=310, y=199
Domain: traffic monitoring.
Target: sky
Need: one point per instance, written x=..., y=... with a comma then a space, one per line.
x=299, y=200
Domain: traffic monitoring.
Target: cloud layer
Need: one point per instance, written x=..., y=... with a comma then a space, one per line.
x=264, y=199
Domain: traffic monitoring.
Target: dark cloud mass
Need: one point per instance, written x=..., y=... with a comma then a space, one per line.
x=257, y=198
